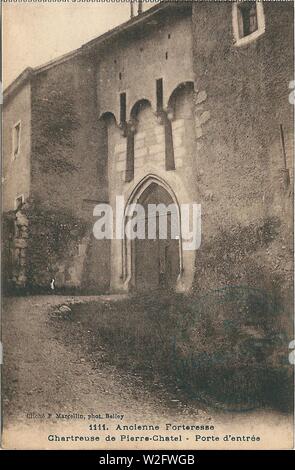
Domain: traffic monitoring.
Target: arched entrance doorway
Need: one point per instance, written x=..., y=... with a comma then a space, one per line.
x=155, y=263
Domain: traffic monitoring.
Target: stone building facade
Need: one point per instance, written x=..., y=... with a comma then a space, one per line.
x=186, y=102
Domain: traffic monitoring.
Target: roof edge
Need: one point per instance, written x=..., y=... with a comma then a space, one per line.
x=18, y=82
x=30, y=72
x=135, y=21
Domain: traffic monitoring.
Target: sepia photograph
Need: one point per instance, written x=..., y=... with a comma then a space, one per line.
x=147, y=225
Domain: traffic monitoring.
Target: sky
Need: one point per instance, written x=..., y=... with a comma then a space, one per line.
x=34, y=33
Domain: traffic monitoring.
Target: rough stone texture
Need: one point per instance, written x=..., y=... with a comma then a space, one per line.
x=14, y=249
x=71, y=169
x=16, y=171
x=59, y=169
x=65, y=137
x=246, y=208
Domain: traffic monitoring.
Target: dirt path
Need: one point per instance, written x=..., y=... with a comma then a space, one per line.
x=42, y=374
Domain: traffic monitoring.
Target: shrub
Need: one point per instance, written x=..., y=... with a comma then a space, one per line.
x=224, y=348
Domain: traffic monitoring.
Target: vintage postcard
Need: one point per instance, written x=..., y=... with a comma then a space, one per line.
x=147, y=224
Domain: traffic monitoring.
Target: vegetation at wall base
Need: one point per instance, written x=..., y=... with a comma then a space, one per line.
x=195, y=348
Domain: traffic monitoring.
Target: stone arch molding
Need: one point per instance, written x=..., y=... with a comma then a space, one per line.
x=107, y=116
x=133, y=198
x=131, y=111
x=187, y=85
x=170, y=88
x=137, y=106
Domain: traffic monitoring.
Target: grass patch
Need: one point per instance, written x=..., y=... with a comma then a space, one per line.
x=227, y=348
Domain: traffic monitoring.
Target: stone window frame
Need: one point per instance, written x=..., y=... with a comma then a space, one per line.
x=241, y=41
x=20, y=196
x=16, y=154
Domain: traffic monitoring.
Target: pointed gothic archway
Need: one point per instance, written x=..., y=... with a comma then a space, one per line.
x=150, y=264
